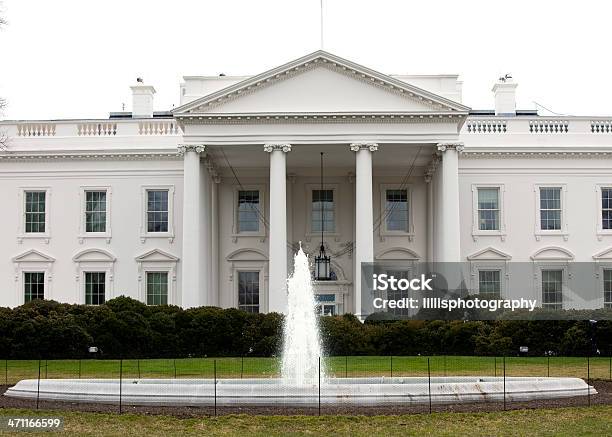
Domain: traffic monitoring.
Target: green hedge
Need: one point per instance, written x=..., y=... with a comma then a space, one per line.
x=124, y=327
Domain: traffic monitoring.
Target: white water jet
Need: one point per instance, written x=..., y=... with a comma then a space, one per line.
x=302, y=344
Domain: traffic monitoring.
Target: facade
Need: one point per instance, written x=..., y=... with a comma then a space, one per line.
x=204, y=205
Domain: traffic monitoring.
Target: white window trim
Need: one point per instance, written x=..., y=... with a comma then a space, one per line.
x=21, y=233
x=23, y=266
x=105, y=262
x=382, y=229
x=108, y=281
x=250, y=267
x=601, y=266
x=261, y=233
x=566, y=276
x=156, y=265
x=563, y=232
x=171, y=283
x=310, y=234
x=83, y=234
x=144, y=235
x=476, y=231
x=601, y=232
x=504, y=277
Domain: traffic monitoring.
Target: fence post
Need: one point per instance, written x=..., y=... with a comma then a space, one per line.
x=138, y=364
x=391, y=366
x=429, y=383
x=46, y=368
x=319, y=385
x=610, y=368
x=6, y=372
x=495, y=366
x=38, y=388
x=346, y=366
x=445, y=365
x=120, y=385
x=174, y=364
x=79, y=368
x=215, y=382
x=241, y=366
x=589, y=379
x=504, y=382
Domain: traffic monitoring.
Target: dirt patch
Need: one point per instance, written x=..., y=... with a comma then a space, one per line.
x=603, y=397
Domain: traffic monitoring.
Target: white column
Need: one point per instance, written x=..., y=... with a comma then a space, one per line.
x=364, y=214
x=277, y=284
x=193, y=233
x=430, y=217
x=214, y=283
x=450, y=229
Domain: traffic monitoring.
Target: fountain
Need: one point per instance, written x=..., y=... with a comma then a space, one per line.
x=304, y=380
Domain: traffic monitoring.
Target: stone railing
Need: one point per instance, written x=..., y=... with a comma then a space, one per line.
x=91, y=128
x=537, y=125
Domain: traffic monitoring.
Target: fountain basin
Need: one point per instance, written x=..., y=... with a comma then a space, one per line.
x=273, y=392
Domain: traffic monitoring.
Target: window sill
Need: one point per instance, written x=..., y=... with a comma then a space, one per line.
x=260, y=235
x=601, y=233
x=45, y=236
x=540, y=234
x=499, y=234
x=401, y=234
x=148, y=235
x=103, y=235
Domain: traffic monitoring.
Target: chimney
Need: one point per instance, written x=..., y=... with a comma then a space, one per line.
x=505, y=96
x=142, y=99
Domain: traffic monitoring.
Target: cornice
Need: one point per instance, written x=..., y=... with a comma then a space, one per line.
x=299, y=118
x=87, y=156
x=538, y=154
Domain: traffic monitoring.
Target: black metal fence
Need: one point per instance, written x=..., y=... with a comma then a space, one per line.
x=428, y=371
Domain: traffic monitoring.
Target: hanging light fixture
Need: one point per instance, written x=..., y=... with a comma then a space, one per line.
x=322, y=261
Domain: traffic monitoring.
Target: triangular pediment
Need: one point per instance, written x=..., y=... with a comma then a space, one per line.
x=33, y=255
x=156, y=255
x=604, y=255
x=489, y=254
x=321, y=83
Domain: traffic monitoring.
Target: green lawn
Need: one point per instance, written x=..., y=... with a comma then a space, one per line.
x=570, y=422
x=14, y=370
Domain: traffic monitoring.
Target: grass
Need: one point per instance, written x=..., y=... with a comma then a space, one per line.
x=580, y=421
x=600, y=368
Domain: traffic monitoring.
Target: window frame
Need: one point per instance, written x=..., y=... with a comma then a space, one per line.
x=168, y=285
x=83, y=234
x=23, y=280
x=144, y=233
x=157, y=260
x=601, y=232
x=490, y=269
x=337, y=211
x=603, y=287
x=106, y=284
x=383, y=230
x=564, y=279
x=476, y=231
x=21, y=232
x=262, y=232
x=563, y=231
x=259, y=272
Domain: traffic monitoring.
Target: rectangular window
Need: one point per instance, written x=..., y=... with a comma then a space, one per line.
x=157, y=288
x=248, y=291
x=606, y=208
x=607, y=287
x=157, y=210
x=397, y=210
x=550, y=208
x=323, y=211
x=35, y=211
x=34, y=286
x=489, y=283
x=95, y=211
x=248, y=211
x=488, y=209
x=398, y=294
x=552, y=289
x=325, y=304
x=95, y=287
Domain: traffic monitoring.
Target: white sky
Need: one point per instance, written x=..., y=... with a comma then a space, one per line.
x=77, y=58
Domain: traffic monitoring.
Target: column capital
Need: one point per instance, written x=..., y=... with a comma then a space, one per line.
x=282, y=147
x=443, y=147
x=372, y=147
x=184, y=148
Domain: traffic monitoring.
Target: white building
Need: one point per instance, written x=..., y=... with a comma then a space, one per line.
x=204, y=205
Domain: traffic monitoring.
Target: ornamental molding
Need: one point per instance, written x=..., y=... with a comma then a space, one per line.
x=538, y=154
x=280, y=147
x=322, y=117
x=372, y=147
x=433, y=166
x=86, y=156
x=314, y=60
x=184, y=148
x=443, y=147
